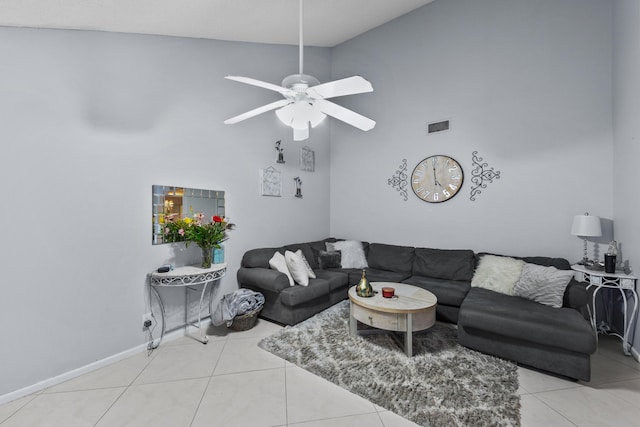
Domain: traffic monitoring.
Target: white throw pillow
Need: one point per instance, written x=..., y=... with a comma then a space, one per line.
x=312, y=275
x=352, y=253
x=545, y=285
x=297, y=268
x=277, y=262
x=497, y=273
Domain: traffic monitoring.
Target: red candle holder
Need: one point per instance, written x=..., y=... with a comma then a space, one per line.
x=388, y=292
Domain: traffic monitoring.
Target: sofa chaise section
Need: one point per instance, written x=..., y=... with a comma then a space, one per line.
x=558, y=340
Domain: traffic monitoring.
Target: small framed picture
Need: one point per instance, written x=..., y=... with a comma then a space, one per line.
x=307, y=159
x=270, y=182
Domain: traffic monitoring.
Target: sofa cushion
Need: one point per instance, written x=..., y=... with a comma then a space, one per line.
x=522, y=319
x=559, y=263
x=336, y=279
x=448, y=292
x=545, y=285
x=306, y=250
x=352, y=253
x=316, y=247
x=310, y=272
x=398, y=259
x=258, y=257
x=497, y=273
x=262, y=279
x=279, y=263
x=297, y=267
x=296, y=295
x=576, y=295
x=444, y=263
x=375, y=275
x=329, y=259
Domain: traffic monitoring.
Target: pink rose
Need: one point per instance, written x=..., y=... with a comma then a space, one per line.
x=181, y=232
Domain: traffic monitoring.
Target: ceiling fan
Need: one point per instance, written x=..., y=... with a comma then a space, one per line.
x=305, y=99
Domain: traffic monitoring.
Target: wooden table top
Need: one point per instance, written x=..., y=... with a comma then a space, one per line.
x=407, y=298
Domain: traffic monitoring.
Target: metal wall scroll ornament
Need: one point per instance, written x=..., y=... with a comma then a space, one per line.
x=481, y=175
x=399, y=180
x=279, y=152
x=298, y=183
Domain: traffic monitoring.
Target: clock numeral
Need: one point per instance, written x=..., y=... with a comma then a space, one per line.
x=419, y=171
x=453, y=169
x=453, y=187
x=446, y=193
x=426, y=194
x=417, y=181
x=435, y=196
x=457, y=177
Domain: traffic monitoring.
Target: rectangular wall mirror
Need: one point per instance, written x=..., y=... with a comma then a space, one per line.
x=180, y=202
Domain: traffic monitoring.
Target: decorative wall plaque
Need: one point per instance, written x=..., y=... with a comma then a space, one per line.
x=271, y=182
x=481, y=175
x=307, y=159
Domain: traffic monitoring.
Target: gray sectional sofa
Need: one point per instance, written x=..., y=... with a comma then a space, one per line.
x=557, y=340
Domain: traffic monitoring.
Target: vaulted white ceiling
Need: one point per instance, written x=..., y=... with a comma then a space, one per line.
x=327, y=22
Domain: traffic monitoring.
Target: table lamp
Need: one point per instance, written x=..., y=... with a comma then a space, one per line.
x=586, y=226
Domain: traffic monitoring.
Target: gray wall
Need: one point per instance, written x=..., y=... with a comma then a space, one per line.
x=626, y=110
x=90, y=121
x=525, y=83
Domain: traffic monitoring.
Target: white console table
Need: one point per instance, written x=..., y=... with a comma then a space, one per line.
x=189, y=277
x=624, y=283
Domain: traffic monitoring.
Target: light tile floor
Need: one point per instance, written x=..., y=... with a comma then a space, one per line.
x=231, y=382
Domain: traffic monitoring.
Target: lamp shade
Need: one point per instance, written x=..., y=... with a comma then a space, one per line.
x=586, y=225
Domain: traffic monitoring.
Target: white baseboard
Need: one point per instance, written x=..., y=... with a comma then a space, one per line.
x=34, y=388
x=635, y=354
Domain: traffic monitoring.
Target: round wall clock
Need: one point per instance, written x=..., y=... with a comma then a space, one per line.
x=437, y=179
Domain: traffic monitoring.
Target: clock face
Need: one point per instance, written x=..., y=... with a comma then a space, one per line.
x=437, y=179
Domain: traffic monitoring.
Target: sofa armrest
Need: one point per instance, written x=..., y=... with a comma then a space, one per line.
x=576, y=295
x=262, y=278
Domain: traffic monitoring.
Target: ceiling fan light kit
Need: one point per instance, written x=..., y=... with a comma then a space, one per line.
x=305, y=99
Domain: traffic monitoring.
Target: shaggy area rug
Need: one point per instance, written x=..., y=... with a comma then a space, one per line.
x=443, y=384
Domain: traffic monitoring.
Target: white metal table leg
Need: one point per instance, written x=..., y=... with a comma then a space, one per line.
x=626, y=344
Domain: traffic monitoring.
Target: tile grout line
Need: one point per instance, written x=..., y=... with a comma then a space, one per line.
x=19, y=409
x=552, y=408
x=127, y=386
x=286, y=396
x=195, y=413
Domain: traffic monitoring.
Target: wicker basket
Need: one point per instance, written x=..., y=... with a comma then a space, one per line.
x=245, y=321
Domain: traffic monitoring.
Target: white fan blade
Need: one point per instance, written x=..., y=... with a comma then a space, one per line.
x=257, y=111
x=260, y=83
x=348, y=86
x=346, y=115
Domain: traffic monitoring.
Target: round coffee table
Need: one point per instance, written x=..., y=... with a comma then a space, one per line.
x=411, y=309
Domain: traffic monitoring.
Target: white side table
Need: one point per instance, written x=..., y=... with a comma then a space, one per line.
x=188, y=277
x=624, y=283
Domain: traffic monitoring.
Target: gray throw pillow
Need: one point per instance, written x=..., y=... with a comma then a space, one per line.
x=545, y=285
x=329, y=259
